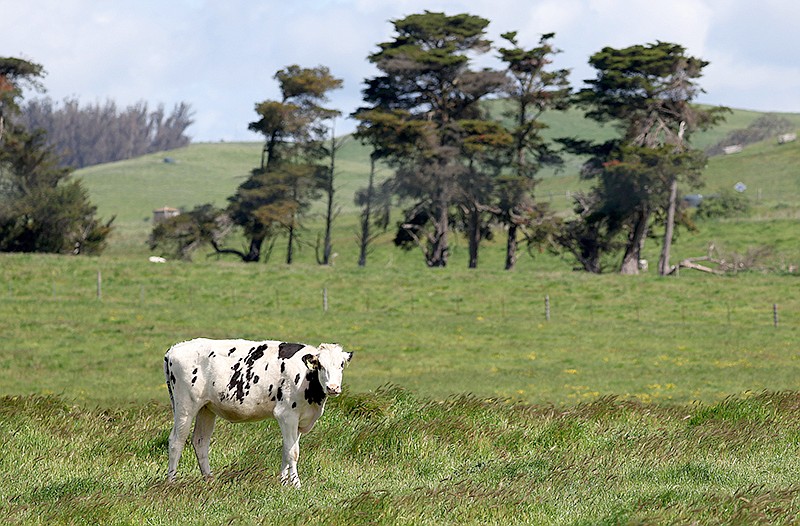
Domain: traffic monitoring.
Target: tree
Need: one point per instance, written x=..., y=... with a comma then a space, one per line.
x=485, y=146
x=646, y=92
x=41, y=208
x=99, y=133
x=532, y=90
x=182, y=235
x=15, y=74
x=329, y=188
x=281, y=188
x=419, y=102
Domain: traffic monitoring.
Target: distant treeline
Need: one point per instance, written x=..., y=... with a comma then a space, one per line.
x=764, y=127
x=99, y=133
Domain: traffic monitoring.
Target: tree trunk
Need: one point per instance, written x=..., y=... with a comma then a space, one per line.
x=254, y=254
x=366, y=216
x=290, y=246
x=474, y=234
x=511, y=247
x=438, y=249
x=666, y=247
x=630, y=261
x=329, y=189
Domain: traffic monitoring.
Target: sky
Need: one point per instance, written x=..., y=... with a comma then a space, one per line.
x=221, y=56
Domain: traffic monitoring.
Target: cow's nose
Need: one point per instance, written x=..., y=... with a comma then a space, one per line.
x=334, y=389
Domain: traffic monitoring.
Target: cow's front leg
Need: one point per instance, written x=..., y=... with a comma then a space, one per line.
x=291, y=449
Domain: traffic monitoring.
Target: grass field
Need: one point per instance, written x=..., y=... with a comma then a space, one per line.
x=642, y=400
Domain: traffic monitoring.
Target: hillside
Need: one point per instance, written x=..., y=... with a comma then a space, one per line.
x=210, y=172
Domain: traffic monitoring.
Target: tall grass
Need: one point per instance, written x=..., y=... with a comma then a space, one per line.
x=389, y=457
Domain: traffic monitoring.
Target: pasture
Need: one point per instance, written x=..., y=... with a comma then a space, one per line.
x=641, y=400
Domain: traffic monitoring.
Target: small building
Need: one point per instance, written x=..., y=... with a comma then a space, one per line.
x=164, y=213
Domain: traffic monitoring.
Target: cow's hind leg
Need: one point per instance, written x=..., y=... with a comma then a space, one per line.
x=201, y=439
x=177, y=440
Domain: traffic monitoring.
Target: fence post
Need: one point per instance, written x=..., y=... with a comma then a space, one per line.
x=99, y=285
x=775, y=314
x=324, y=299
x=547, y=307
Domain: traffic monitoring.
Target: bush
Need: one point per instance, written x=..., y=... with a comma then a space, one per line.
x=727, y=203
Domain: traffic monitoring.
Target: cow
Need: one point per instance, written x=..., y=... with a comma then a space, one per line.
x=247, y=381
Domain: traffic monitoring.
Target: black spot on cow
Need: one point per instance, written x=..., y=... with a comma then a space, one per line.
x=294, y=404
x=211, y=354
x=280, y=393
x=243, y=377
x=266, y=367
x=194, y=380
x=233, y=350
x=314, y=393
x=172, y=378
x=195, y=371
x=236, y=386
x=270, y=388
x=283, y=366
x=287, y=350
x=297, y=379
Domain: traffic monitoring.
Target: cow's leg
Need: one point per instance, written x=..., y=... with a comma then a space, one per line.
x=291, y=449
x=177, y=440
x=201, y=439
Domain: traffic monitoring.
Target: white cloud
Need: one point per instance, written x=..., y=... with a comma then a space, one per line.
x=221, y=56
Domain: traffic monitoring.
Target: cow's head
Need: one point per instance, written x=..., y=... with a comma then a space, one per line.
x=329, y=364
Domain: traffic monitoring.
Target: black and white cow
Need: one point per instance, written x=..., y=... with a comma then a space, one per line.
x=247, y=381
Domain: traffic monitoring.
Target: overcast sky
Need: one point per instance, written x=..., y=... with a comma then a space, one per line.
x=220, y=56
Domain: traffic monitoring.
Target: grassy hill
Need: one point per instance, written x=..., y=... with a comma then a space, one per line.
x=210, y=172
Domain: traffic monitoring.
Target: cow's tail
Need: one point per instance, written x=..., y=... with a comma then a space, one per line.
x=169, y=383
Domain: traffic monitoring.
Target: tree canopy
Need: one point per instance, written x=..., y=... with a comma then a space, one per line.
x=42, y=209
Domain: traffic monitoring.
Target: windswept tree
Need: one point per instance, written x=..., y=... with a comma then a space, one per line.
x=533, y=89
x=420, y=100
x=281, y=188
x=646, y=92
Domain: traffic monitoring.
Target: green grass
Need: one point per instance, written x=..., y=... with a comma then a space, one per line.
x=437, y=333
x=389, y=457
x=633, y=404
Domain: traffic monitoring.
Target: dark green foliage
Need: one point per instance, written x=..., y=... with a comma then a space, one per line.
x=182, y=235
x=282, y=188
x=726, y=203
x=646, y=92
x=42, y=209
x=421, y=115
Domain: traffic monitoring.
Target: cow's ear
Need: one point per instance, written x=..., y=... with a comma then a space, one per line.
x=311, y=361
x=349, y=356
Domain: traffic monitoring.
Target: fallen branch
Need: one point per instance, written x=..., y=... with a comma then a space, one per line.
x=689, y=263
